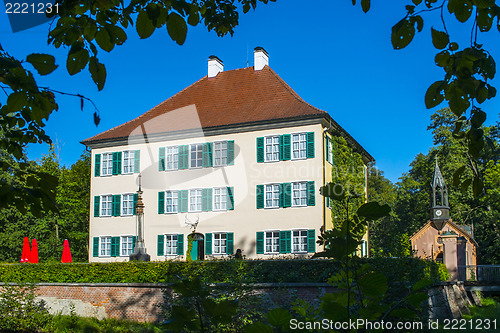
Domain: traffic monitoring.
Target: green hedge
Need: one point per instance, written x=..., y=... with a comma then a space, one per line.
x=219, y=271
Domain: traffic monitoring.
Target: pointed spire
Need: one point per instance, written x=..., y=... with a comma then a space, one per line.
x=437, y=179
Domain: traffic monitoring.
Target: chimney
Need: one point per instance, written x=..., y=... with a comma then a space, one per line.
x=215, y=66
x=260, y=58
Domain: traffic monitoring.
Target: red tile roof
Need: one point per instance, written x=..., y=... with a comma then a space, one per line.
x=232, y=97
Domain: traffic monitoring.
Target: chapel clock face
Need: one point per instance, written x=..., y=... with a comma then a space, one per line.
x=438, y=212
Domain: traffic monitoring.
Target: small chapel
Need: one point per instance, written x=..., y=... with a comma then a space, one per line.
x=442, y=240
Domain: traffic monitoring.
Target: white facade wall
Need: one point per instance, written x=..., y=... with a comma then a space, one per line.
x=244, y=221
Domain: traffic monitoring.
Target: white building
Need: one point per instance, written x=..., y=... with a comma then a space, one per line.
x=238, y=151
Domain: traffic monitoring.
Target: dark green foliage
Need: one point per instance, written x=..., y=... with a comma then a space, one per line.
x=223, y=271
x=20, y=311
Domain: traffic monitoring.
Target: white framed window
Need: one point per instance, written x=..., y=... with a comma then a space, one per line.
x=220, y=198
x=127, y=204
x=272, y=148
x=299, y=146
x=195, y=200
x=328, y=202
x=219, y=243
x=272, y=195
x=196, y=156
x=128, y=161
x=171, y=201
x=106, y=201
x=299, y=241
x=220, y=153
x=299, y=194
x=329, y=148
x=172, y=158
x=126, y=245
x=272, y=242
x=105, y=246
x=106, y=164
x=171, y=244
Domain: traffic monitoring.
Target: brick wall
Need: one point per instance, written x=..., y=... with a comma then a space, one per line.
x=141, y=302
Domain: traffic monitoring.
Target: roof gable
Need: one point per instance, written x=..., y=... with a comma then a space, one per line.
x=232, y=97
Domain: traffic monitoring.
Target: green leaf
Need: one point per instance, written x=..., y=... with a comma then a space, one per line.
x=485, y=19
x=177, y=28
x=402, y=34
x=373, y=284
x=481, y=94
x=442, y=59
x=481, y=4
x=98, y=72
x=478, y=118
x=461, y=8
x=144, y=25
x=365, y=5
x=17, y=101
x=117, y=35
x=457, y=101
x=43, y=63
x=194, y=19
x=419, y=21
x=417, y=2
x=90, y=31
x=457, y=175
x=373, y=210
x=279, y=317
x=421, y=284
x=333, y=191
x=440, y=39
x=78, y=58
x=433, y=95
x=477, y=186
x=104, y=40
x=417, y=299
x=465, y=185
x=453, y=46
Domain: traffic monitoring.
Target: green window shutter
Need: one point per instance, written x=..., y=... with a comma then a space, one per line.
x=326, y=148
x=282, y=195
x=161, y=202
x=136, y=197
x=115, y=246
x=281, y=147
x=206, y=199
x=287, y=194
x=117, y=163
x=260, y=196
x=207, y=160
x=134, y=241
x=160, y=245
x=260, y=242
x=285, y=241
x=96, y=247
x=230, y=152
x=183, y=201
x=287, y=147
x=288, y=241
x=97, y=206
x=310, y=144
x=97, y=166
x=161, y=159
x=180, y=244
x=260, y=149
x=230, y=198
x=184, y=157
x=137, y=161
x=311, y=198
x=230, y=243
x=208, y=243
x=115, y=208
x=311, y=241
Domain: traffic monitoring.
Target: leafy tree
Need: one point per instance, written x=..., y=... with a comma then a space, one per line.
x=85, y=27
x=467, y=71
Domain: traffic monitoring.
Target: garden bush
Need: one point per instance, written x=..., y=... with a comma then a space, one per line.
x=407, y=270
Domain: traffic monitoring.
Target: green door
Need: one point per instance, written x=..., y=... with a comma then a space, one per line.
x=194, y=251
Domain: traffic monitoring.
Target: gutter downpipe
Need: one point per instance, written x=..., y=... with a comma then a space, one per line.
x=323, y=137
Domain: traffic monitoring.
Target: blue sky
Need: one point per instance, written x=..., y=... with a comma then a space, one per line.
x=332, y=54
